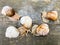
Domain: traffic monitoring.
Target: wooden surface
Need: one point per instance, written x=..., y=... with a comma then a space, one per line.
x=53, y=38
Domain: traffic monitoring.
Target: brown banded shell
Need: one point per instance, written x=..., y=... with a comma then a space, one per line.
x=10, y=13
x=52, y=15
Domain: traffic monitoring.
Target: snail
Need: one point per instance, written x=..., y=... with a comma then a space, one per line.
x=42, y=29
x=23, y=31
x=10, y=12
x=11, y=32
x=52, y=15
x=26, y=21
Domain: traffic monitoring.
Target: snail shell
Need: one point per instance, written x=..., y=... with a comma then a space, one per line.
x=42, y=29
x=8, y=11
x=11, y=32
x=53, y=15
x=26, y=21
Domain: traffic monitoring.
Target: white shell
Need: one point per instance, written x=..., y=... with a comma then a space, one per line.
x=11, y=32
x=5, y=9
x=26, y=21
x=44, y=31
